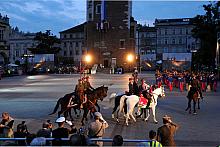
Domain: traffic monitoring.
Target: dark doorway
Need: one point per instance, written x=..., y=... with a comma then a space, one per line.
x=106, y=63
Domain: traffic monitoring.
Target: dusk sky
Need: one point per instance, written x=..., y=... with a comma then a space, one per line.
x=58, y=15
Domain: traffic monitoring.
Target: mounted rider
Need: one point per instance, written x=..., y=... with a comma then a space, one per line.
x=79, y=89
x=87, y=86
x=195, y=87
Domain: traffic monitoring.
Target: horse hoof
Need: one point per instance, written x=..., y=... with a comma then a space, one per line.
x=117, y=120
x=156, y=122
x=113, y=116
x=145, y=119
x=194, y=113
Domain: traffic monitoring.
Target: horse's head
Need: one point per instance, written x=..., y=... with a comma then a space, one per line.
x=102, y=92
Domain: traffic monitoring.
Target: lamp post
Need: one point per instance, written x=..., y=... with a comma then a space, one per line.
x=87, y=59
x=130, y=59
x=217, y=54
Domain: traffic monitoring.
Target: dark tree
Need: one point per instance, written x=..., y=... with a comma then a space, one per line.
x=206, y=28
x=46, y=43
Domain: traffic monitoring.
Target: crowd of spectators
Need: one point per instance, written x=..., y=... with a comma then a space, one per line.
x=75, y=137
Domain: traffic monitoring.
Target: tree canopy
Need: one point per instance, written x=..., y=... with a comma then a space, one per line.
x=206, y=28
x=46, y=43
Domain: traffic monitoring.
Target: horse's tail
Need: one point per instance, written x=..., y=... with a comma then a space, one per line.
x=111, y=99
x=56, y=107
x=122, y=103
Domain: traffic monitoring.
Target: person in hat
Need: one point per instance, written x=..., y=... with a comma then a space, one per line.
x=62, y=132
x=130, y=86
x=79, y=90
x=87, y=86
x=96, y=129
x=46, y=131
x=165, y=134
x=7, y=122
x=22, y=132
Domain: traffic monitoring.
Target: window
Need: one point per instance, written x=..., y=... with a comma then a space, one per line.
x=180, y=41
x=187, y=31
x=71, y=44
x=173, y=41
x=71, y=53
x=181, y=31
x=165, y=31
x=173, y=31
x=98, y=9
x=64, y=36
x=77, y=44
x=165, y=42
x=64, y=53
x=77, y=52
x=90, y=16
x=165, y=50
x=71, y=36
x=1, y=35
x=64, y=44
x=17, y=53
x=122, y=43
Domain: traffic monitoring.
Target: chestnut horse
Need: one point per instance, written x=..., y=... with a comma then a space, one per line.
x=196, y=98
x=70, y=101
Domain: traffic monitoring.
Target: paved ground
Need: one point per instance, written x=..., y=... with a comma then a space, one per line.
x=32, y=98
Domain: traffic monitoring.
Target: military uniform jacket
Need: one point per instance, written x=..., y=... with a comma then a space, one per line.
x=166, y=135
x=96, y=129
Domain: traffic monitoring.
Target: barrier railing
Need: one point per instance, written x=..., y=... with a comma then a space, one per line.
x=66, y=139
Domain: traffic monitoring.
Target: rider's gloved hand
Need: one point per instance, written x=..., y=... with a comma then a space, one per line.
x=69, y=122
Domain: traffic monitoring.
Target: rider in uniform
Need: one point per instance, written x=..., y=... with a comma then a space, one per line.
x=79, y=89
x=87, y=86
x=130, y=87
x=195, y=87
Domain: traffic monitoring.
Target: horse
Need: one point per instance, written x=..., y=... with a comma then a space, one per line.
x=98, y=94
x=66, y=102
x=70, y=101
x=196, y=98
x=133, y=100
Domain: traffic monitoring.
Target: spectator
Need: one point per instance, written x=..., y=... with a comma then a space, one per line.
x=39, y=141
x=62, y=132
x=78, y=140
x=46, y=131
x=97, y=128
x=29, y=138
x=22, y=132
x=165, y=133
x=117, y=140
x=153, y=142
x=7, y=122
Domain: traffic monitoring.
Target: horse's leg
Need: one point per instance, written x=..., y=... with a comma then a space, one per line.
x=132, y=116
x=154, y=114
x=198, y=103
x=114, y=109
x=117, y=116
x=148, y=114
x=189, y=105
x=126, y=118
x=96, y=104
x=145, y=113
x=84, y=116
x=194, y=106
x=140, y=113
x=70, y=114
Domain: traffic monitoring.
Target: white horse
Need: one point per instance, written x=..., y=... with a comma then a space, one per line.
x=133, y=100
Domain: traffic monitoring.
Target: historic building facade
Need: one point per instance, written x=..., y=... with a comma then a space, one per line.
x=175, y=43
x=19, y=43
x=110, y=32
x=4, y=38
x=146, y=46
x=72, y=45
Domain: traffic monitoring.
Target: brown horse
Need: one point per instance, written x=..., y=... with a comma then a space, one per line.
x=70, y=101
x=196, y=98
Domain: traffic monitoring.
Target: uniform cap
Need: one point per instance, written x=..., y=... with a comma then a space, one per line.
x=61, y=119
x=166, y=117
x=97, y=114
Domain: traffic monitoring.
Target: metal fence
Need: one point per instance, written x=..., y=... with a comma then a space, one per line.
x=66, y=139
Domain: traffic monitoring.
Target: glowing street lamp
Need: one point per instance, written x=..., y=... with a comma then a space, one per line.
x=130, y=58
x=88, y=58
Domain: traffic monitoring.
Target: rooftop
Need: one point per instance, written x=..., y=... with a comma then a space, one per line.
x=75, y=29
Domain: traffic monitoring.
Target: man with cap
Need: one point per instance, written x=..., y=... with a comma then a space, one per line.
x=79, y=90
x=165, y=134
x=62, y=132
x=96, y=129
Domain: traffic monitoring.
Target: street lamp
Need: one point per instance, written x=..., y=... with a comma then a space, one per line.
x=130, y=59
x=87, y=59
